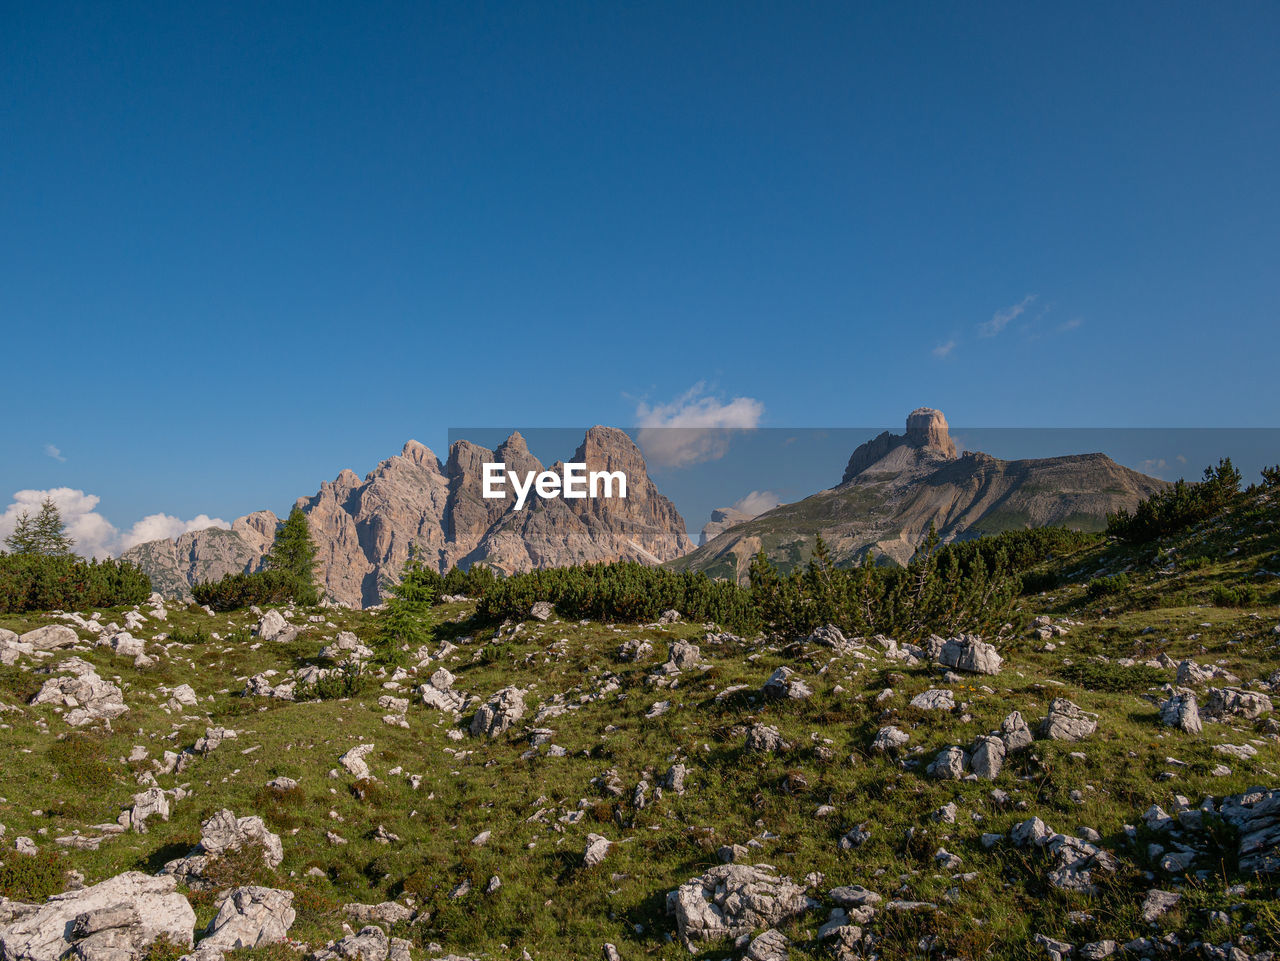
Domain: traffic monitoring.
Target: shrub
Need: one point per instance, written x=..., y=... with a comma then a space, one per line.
x=624, y=591
x=197, y=636
x=1096, y=676
x=30, y=877
x=1178, y=506
x=1105, y=586
x=1242, y=595
x=235, y=591
x=344, y=681
x=40, y=582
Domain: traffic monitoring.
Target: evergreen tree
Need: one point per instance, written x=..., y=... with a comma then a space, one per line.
x=44, y=534
x=405, y=620
x=294, y=554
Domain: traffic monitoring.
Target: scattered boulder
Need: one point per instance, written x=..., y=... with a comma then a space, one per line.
x=732, y=900
x=970, y=653
x=597, y=848
x=1067, y=722
x=51, y=637
x=273, y=627
x=781, y=685
x=889, y=739
x=354, y=761
x=249, y=917
x=150, y=803
x=370, y=943
x=1157, y=903
x=1227, y=702
x=935, y=699
x=1181, y=711
x=770, y=945
x=950, y=764
x=987, y=757
x=542, y=611
x=116, y=919
x=88, y=697
x=634, y=650
x=498, y=714
x=219, y=834
x=1015, y=733
x=765, y=738
x=1189, y=672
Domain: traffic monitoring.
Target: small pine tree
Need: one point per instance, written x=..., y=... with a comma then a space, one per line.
x=405, y=621
x=45, y=534
x=293, y=553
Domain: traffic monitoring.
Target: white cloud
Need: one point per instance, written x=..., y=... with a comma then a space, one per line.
x=156, y=527
x=693, y=428
x=944, y=350
x=757, y=502
x=55, y=453
x=1002, y=318
x=94, y=535
x=1071, y=324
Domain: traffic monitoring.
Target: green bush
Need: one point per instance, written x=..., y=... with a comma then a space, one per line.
x=1097, y=676
x=235, y=591
x=1178, y=506
x=30, y=877
x=1105, y=586
x=197, y=636
x=1242, y=595
x=40, y=582
x=345, y=681
x=623, y=591
x=968, y=587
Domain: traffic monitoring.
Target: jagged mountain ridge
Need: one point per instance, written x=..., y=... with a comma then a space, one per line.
x=896, y=485
x=364, y=528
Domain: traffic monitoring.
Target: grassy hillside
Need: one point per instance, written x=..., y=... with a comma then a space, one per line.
x=541, y=803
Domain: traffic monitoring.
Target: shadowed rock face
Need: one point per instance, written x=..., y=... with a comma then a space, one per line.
x=363, y=528
x=722, y=518
x=896, y=485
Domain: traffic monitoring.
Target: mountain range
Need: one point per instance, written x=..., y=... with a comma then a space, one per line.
x=893, y=488
x=363, y=528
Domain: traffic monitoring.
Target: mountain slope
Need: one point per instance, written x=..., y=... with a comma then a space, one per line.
x=897, y=485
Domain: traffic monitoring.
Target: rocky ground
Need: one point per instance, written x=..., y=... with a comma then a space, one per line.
x=1100, y=779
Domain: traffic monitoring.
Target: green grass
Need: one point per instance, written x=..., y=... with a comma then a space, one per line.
x=54, y=780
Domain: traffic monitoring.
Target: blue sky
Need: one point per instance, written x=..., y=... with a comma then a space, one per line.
x=245, y=248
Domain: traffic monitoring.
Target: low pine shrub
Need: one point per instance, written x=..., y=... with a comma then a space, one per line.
x=41, y=582
x=236, y=591
x=1106, y=586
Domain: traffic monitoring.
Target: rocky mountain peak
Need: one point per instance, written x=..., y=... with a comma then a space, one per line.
x=420, y=454
x=926, y=432
x=927, y=427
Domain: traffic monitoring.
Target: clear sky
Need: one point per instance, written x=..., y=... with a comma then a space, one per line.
x=243, y=246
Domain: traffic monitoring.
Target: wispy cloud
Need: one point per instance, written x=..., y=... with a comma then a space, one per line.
x=757, y=502
x=1002, y=318
x=693, y=428
x=1071, y=324
x=52, y=451
x=944, y=350
x=94, y=535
